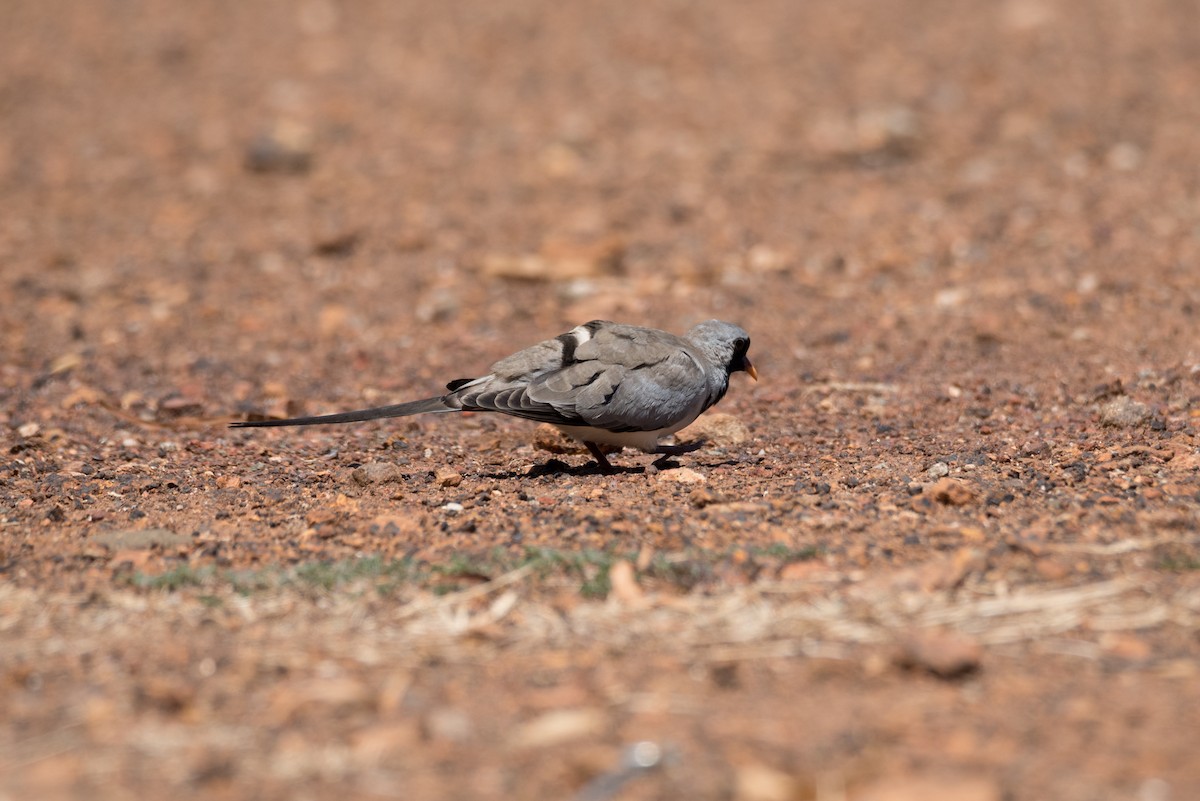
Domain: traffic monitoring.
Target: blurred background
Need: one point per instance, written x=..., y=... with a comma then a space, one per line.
x=199, y=198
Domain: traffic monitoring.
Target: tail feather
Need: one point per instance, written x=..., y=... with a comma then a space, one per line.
x=397, y=410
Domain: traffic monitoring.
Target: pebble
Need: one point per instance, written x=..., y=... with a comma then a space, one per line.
x=953, y=492
x=938, y=470
x=558, y=262
x=756, y=782
x=559, y=726
x=448, y=478
x=928, y=788
x=947, y=655
x=1124, y=157
x=701, y=498
x=1125, y=645
x=1124, y=412
x=375, y=473
x=716, y=428
x=448, y=723
x=682, y=475
x=453, y=507
x=287, y=147
x=893, y=131
x=1052, y=569
x=548, y=438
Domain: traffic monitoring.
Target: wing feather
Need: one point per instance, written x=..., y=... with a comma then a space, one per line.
x=620, y=378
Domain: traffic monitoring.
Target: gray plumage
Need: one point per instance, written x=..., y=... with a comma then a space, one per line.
x=602, y=383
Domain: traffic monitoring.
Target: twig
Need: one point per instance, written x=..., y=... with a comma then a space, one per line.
x=467, y=595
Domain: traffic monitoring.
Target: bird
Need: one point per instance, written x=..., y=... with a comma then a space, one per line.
x=601, y=383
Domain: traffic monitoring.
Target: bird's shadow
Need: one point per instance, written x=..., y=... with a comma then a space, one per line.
x=557, y=467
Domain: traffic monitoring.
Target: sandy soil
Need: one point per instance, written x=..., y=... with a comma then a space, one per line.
x=947, y=548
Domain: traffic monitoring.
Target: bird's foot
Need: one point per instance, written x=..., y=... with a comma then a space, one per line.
x=601, y=459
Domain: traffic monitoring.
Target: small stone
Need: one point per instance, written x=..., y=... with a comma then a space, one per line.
x=317, y=518
x=68, y=361
x=682, y=475
x=893, y=132
x=559, y=726
x=803, y=571
x=701, y=498
x=453, y=507
x=1124, y=157
x=448, y=478
x=331, y=320
x=448, y=723
x=953, y=492
x=756, y=782
x=558, y=261
x=715, y=428
x=335, y=241
x=938, y=470
x=376, y=473
x=973, y=535
x=438, y=304
x=1033, y=447
x=1178, y=669
x=1124, y=645
x=287, y=147
x=943, y=572
x=603, y=257
x=946, y=655
x=527, y=267
x=548, y=438
x=928, y=788
x=29, y=430
x=1124, y=412
x=1052, y=569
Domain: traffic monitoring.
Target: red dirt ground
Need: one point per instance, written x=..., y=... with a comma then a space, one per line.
x=950, y=552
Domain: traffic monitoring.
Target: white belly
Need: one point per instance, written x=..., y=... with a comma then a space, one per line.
x=642, y=440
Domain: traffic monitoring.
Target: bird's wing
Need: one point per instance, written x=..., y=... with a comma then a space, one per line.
x=615, y=377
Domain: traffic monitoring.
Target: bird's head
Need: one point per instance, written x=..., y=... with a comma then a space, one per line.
x=724, y=344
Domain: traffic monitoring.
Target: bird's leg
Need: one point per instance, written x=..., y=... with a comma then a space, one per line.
x=678, y=450
x=601, y=459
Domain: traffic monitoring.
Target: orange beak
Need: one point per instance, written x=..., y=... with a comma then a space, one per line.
x=749, y=368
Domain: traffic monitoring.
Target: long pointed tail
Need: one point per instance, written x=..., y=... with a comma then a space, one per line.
x=396, y=410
